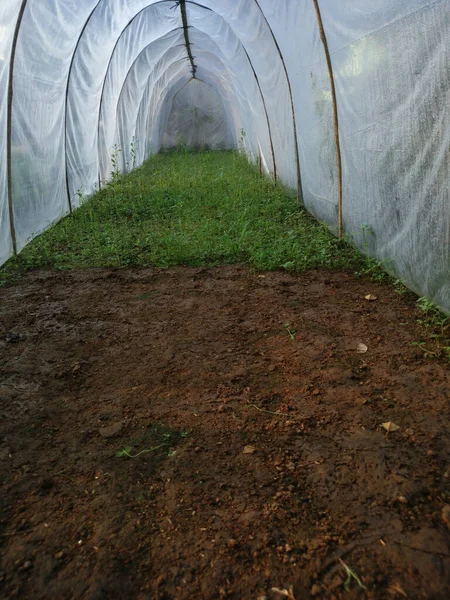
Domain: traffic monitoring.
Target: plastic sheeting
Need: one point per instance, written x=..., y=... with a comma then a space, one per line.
x=99, y=83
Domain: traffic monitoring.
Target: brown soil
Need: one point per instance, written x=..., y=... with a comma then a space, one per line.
x=270, y=466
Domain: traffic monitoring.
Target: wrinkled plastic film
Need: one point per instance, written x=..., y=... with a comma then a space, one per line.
x=393, y=87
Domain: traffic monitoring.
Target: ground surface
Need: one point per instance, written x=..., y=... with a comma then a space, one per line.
x=233, y=501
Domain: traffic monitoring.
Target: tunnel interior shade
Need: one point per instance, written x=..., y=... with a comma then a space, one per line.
x=197, y=119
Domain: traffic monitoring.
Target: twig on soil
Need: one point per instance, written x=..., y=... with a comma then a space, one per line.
x=433, y=553
x=288, y=593
x=397, y=588
x=11, y=533
x=270, y=412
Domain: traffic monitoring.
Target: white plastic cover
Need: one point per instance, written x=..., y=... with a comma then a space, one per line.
x=96, y=79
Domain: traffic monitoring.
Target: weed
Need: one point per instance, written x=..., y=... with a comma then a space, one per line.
x=127, y=451
x=156, y=433
x=290, y=331
x=133, y=145
x=351, y=575
x=435, y=327
x=400, y=287
x=433, y=316
x=115, y=173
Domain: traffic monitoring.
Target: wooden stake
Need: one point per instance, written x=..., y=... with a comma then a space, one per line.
x=323, y=37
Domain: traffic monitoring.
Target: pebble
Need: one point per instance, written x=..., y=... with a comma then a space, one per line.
x=5, y=453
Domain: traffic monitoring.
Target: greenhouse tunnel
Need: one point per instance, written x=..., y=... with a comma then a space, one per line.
x=347, y=103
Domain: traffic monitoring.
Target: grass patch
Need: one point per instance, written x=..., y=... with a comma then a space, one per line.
x=205, y=209
x=435, y=330
x=186, y=208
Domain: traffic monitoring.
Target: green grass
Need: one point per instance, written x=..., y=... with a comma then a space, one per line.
x=185, y=208
x=435, y=328
x=206, y=208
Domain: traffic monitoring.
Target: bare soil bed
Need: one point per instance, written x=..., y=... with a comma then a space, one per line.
x=199, y=433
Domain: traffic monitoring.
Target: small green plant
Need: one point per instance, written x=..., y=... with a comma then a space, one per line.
x=133, y=152
x=291, y=332
x=115, y=173
x=400, y=287
x=80, y=196
x=434, y=317
x=436, y=330
x=127, y=451
x=351, y=575
x=167, y=440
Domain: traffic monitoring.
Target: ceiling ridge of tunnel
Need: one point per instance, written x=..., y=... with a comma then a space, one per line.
x=182, y=5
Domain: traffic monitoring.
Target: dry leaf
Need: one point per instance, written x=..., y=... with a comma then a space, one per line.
x=390, y=426
x=361, y=348
x=289, y=594
x=446, y=515
x=395, y=587
x=370, y=297
x=249, y=450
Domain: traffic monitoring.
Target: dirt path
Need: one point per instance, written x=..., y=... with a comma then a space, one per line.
x=270, y=463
